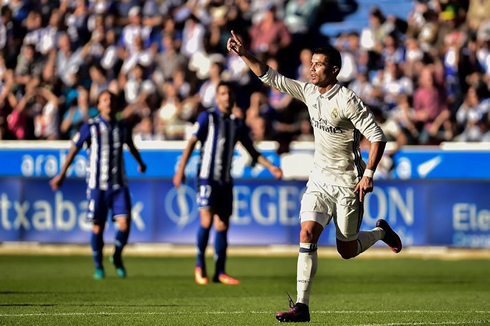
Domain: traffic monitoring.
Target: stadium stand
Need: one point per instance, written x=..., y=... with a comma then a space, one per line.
x=422, y=66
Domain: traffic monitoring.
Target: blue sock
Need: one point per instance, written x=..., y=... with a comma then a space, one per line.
x=220, y=245
x=202, y=243
x=121, y=241
x=97, y=243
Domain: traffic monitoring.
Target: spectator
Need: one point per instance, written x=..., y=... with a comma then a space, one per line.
x=429, y=102
x=78, y=113
x=50, y=34
x=207, y=92
x=134, y=30
x=137, y=56
x=192, y=37
x=144, y=131
x=68, y=61
x=270, y=35
x=301, y=15
x=33, y=25
x=303, y=72
x=99, y=84
x=169, y=61
x=28, y=66
x=378, y=29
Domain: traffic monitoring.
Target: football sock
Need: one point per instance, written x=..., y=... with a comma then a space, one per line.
x=307, y=266
x=202, y=243
x=97, y=243
x=365, y=239
x=220, y=245
x=121, y=241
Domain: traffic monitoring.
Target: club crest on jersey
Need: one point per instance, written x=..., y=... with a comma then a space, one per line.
x=335, y=113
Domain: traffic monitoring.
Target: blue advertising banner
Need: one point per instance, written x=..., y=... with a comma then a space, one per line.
x=161, y=162
x=11, y=208
x=162, y=158
x=449, y=213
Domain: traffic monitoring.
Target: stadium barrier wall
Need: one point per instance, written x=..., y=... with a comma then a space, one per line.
x=425, y=209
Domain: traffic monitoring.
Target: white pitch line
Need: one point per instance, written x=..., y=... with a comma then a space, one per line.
x=433, y=323
x=63, y=314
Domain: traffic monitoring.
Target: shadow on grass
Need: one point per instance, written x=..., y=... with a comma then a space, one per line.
x=95, y=305
x=45, y=292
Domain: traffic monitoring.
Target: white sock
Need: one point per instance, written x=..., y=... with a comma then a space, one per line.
x=365, y=239
x=307, y=266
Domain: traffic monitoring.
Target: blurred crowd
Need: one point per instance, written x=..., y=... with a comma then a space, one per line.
x=425, y=76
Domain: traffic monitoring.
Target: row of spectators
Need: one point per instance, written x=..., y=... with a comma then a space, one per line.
x=426, y=76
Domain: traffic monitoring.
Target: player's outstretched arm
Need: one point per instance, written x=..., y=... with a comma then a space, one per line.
x=283, y=84
x=366, y=184
x=57, y=181
x=258, y=157
x=273, y=169
x=179, y=176
x=137, y=156
x=235, y=45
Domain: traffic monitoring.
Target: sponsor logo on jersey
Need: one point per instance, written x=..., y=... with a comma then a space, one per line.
x=322, y=124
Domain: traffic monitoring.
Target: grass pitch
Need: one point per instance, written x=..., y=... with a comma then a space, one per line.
x=59, y=290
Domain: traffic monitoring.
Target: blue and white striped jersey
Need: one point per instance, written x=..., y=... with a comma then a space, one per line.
x=104, y=141
x=218, y=135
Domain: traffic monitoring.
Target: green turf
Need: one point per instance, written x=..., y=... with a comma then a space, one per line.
x=50, y=290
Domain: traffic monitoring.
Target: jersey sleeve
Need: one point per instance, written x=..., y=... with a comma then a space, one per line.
x=82, y=136
x=200, y=129
x=283, y=84
x=363, y=120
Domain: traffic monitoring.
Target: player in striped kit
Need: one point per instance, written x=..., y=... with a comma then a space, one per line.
x=107, y=186
x=339, y=179
x=218, y=131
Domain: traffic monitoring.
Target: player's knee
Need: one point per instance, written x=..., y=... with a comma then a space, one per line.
x=123, y=227
x=97, y=229
x=220, y=227
x=206, y=224
x=346, y=253
x=306, y=236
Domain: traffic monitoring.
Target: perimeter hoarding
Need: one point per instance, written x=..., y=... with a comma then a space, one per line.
x=449, y=213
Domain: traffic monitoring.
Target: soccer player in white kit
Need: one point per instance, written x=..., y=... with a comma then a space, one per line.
x=339, y=179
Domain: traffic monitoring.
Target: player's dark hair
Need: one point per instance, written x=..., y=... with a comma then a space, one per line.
x=331, y=54
x=225, y=83
x=111, y=94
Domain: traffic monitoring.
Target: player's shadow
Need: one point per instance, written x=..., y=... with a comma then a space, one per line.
x=44, y=292
x=93, y=305
x=27, y=305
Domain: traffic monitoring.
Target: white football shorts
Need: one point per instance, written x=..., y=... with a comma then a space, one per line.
x=321, y=202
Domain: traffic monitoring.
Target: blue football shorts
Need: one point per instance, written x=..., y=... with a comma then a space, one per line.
x=218, y=197
x=101, y=201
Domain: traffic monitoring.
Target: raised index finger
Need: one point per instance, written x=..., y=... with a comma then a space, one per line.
x=235, y=38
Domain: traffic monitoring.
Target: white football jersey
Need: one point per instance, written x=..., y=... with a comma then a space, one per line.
x=338, y=118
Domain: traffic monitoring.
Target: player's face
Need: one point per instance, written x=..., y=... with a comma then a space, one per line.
x=322, y=74
x=225, y=99
x=105, y=105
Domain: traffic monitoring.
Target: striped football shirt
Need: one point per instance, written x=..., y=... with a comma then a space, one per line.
x=104, y=141
x=218, y=134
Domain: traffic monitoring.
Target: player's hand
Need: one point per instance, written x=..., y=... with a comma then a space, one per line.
x=235, y=45
x=363, y=187
x=276, y=171
x=142, y=167
x=178, y=179
x=56, y=182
